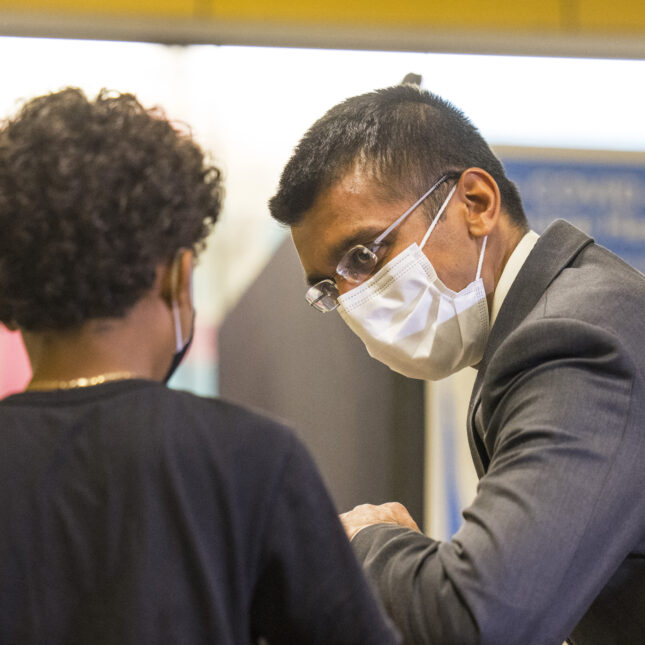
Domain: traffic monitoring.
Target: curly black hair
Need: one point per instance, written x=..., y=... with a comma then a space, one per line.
x=93, y=196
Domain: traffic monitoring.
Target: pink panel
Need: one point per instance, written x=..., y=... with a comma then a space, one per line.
x=14, y=364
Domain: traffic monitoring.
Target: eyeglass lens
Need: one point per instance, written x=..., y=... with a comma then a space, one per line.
x=323, y=296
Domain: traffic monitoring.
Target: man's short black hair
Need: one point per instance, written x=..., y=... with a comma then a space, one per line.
x=93, y=196
x=402, y=137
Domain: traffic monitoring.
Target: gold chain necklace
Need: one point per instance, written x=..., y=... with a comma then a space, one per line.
x=84, y=381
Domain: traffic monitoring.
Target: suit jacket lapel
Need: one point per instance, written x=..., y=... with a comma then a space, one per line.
x=556, y=248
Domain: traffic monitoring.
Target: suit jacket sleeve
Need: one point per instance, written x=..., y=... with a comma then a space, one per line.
x=558, y=510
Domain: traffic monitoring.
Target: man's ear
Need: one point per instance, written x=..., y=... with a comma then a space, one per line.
x=175, y=278
x=480, y=193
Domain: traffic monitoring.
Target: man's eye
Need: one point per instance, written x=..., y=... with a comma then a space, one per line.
x=358, y=264
x=361, y=257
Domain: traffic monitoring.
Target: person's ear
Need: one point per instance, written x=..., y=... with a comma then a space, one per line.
x=184, y=278
x=480, y=193
x=176, y=279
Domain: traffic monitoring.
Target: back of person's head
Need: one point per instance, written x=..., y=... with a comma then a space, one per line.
x=94, y=195
x=402, y=137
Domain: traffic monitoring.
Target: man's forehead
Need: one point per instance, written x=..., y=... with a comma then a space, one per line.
x=352, y=202
x=351, y=211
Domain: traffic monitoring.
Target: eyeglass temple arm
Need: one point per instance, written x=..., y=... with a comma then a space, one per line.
x=392, y=226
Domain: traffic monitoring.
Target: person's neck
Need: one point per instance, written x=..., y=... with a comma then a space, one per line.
x=106, y=347
x=508, y=239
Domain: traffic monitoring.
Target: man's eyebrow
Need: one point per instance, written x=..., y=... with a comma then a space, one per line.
x=335, y=253
x=312, y=279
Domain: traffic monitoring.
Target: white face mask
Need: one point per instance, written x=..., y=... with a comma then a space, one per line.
x=409, y=320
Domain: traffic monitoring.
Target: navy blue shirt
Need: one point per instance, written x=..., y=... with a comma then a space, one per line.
x=135, y=514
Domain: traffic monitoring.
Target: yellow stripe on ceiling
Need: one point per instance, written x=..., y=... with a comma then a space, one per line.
x=160, y=8
x=621, y=15
x=536, y=16
x=467, y=13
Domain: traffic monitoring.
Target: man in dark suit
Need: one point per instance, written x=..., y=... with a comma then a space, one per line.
x=404, y=219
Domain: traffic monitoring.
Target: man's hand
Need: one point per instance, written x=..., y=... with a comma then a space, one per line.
x=367, y=514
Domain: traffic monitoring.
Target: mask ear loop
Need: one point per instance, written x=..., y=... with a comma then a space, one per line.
x=179, y=341
x=175, y=314
x=438, y=216
x=481, y=259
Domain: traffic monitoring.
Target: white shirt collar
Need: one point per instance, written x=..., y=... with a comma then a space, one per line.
x=512, y=268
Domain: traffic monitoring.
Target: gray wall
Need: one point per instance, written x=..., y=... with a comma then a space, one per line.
x=362, y=422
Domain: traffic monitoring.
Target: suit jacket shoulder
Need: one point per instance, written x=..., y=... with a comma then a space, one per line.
x=567, y=277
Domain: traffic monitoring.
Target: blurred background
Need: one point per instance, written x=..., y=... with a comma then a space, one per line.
x=555, y=86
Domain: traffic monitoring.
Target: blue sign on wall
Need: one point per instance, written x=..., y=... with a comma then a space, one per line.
x=604, y=199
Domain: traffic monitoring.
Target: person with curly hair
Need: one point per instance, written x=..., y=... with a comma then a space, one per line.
x=130, y=512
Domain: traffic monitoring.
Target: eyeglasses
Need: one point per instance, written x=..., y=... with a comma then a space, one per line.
x=359, y=262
